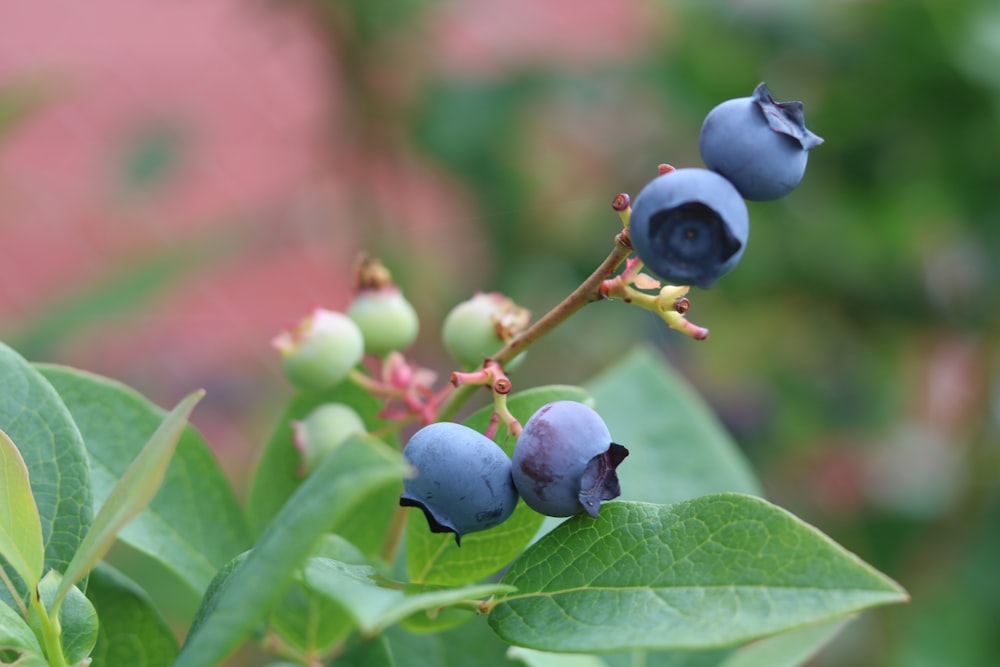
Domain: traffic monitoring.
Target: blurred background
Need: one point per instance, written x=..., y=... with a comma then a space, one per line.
x=181, y=180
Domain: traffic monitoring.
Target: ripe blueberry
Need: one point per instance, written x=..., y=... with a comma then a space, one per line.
x=462, y=479
x=564, y=460
x=387, y=320
x=689, y=226
x=760, y=145
x=321, y=350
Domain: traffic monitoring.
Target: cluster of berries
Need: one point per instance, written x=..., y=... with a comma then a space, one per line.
x=564, y=464
x=690, y=226
x=687, y=226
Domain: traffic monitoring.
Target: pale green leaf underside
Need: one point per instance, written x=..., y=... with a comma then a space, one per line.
x=175, y=527
x=375, y=608
x=20, y=526
x=678, y=448
x=531, y=658
x=132, y=493
x=714, y=571
x=327, y=496
x=789, y=649
x=435, y=558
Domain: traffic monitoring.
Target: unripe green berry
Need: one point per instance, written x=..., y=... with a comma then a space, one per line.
x=387, y=320
x=480, y=326
x=324, y=429
x=321, y=350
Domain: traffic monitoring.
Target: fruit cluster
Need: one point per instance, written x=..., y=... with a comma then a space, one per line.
x=690, y=226
x=687, y=227
x=564, y=464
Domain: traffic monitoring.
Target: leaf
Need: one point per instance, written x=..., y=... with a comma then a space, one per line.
x=532, y=658
x=132, y=493
x=132, y=632
x=680, y=658
x=311, y=622
x=435, y=558
x=16, y=636
x=375, y=608
x=714, y=571
x=789, y=649
x=174, y=528
x=77, y=618
x=374, y=652
x=243, y=599
x=33, y=416
x=277, y=476
x=678, y=449
x=20, y=526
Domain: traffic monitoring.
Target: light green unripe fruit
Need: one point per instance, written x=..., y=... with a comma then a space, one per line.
x=477, y=328
x=323, y=430
x=387, y=320
x=320, y=352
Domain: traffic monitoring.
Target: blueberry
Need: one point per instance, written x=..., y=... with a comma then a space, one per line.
x=323, y=430
x=689, y=226
x=321, y=350
x=564, y=460
x=386, y=319
x=760, y=145
x=478, y=327
x=462, y=479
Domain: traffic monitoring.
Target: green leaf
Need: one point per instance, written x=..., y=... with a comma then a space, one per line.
x=689, y=658
x=174, y=528
x=532, y=658
x=714, y=571
x=375, y=608
x=677, y=448
x=33, y=416
x=77, y=618
x=311, y=622
x=132, y=632
x=331, y=493
x=277, y=475
x=789, y=649
x=434, y=558
x=374, y=652
x=16, y=636
x=20, y=526
x=131, y=494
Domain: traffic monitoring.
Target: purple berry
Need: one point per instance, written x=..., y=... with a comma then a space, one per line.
x=564, y=460
x=760, y=145
x=462, y=479
x=689, y=226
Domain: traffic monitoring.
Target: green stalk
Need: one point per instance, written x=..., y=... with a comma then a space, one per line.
x=588, y=291
x=51, y=633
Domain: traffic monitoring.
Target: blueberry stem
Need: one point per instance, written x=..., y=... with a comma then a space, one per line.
x=492, y=375
x=588, y=291
x=394, y=535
